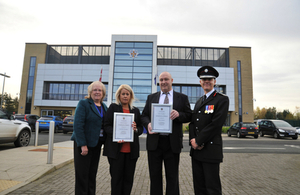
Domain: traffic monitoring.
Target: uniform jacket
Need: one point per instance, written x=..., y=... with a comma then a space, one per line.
x=112, y=149
x=206, y=127
x=180, y=104
x=87, y=123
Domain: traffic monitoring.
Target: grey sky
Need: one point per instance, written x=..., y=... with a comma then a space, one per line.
x=270, y=28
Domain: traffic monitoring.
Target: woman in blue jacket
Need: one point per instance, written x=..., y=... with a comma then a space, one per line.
x=88, y=136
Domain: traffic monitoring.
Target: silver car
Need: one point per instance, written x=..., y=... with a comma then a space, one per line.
x=14, y=131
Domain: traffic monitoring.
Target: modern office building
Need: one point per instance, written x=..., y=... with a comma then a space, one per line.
x=55, y=77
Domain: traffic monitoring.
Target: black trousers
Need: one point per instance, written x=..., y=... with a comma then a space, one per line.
x=163, y=154
x=86, y=168
x=206, y=178
x=122, y=174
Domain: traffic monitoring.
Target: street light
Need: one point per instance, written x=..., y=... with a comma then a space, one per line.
x=4, y=75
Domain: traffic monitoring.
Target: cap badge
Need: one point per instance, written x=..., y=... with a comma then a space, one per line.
x=205, y=70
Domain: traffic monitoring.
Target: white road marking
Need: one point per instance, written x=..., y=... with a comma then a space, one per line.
x=293, y=146
x=252, y=148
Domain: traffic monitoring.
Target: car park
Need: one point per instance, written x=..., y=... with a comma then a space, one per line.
x=243, y=129
x=277, y=128
x=44, y=123
x=12, y=130
x=68, y=124
x=29, y=118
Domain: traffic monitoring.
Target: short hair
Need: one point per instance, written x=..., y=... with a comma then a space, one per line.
x=128, y=88
x=90, y=89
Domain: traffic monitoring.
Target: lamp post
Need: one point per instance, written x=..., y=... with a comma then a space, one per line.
x=4, y=75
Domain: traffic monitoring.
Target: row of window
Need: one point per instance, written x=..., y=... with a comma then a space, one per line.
x=77, y=91
x=66, y=91
x=166, y=55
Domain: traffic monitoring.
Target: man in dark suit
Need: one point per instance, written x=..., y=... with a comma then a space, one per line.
x=166, y=147
x=205, y=129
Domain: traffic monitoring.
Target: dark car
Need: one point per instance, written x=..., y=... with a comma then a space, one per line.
x=44, y=123
x=68, y=124
x=243, y=129
x=29, y=118
x=277, y=128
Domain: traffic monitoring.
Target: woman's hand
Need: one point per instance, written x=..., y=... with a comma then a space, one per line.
x=84, y=150
x=121, y=141
x=134, y=126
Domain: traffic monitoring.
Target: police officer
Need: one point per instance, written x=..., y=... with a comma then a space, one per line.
x=209, y=115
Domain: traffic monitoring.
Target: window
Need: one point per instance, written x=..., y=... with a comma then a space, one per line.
x=194, y=92
x=78, y=54
x=133, y=66
x=67, y=91
x=192, y=56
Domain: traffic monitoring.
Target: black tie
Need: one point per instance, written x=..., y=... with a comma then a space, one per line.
x=204, y=98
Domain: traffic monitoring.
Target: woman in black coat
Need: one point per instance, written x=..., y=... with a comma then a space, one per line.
x=122, y=156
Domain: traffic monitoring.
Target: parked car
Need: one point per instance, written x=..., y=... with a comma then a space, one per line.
x=29, y=118
x=298, y=130
x=44, y=123
x=12, y=130
x=277, y=128
x=68, y=124
x=243, y=129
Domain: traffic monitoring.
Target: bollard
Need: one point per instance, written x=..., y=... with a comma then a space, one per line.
x=37, y=125
x=50, y=143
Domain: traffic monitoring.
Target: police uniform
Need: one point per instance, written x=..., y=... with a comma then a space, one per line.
x=206, y=127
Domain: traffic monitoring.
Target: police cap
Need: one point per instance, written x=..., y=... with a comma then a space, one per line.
x=207, y=72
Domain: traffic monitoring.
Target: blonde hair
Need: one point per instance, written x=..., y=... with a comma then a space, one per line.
x=90, y=89
x=128, y=88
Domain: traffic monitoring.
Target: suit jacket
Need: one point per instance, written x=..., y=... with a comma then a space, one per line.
x=112, y=149
x=87, y=123
x=206, y=127
x=180, y=104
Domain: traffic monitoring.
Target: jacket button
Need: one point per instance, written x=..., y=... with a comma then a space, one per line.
x=211, y=142
x=197, y=119
x=196, y=127
x=199, y=112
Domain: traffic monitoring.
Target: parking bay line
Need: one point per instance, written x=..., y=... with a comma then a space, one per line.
x=255, y=148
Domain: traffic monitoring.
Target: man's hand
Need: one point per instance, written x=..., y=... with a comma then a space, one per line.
x=195, y=145
x=150, y=129
x=174, y=114
x=84, y=150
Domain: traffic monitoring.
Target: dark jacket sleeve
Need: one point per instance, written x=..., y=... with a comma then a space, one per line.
x=79, y=122
x=185, y=115
x=213, y=128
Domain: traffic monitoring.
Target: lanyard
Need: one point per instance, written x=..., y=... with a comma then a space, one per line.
x=101, y=113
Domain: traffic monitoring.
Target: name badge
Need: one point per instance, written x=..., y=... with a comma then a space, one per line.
x=209, y=109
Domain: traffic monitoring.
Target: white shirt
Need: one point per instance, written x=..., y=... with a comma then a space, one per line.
x=163, y=96
x=209, y=93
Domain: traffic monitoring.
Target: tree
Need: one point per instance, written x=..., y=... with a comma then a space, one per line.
x=10, y=105
x=271, y=113
x=297, y=113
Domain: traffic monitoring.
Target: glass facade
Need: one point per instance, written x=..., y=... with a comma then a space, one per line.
x=66, y=91
x=133, y=66
x=194, y=92
x=192, y=56
x=240, y=90
x=80, y=54
x=30, y=85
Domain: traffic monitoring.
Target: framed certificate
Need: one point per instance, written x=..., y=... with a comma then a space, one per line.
x=122, y=127
x=160, y=118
